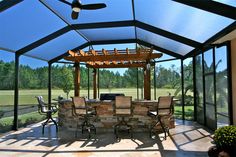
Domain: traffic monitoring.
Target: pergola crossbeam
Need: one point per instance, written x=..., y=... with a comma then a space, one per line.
x=112, y=65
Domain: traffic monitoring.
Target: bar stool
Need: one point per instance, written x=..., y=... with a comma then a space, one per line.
x=123, y=109
x=48, y=110
x=164, y=108
x=81, y=110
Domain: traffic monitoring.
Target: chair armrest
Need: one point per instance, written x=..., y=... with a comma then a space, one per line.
x=53, y=106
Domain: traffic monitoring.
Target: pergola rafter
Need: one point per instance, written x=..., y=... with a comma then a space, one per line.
x=108, y=58
x=141, y=42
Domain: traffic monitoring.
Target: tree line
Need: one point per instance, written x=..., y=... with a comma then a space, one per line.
x=63, y=76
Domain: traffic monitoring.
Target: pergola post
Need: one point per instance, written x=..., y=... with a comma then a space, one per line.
x=137, y=83
x=88, y=83
x=77, y=79
x=16, y=93
x=95, y=83
x=147, y=83
x=155, y=80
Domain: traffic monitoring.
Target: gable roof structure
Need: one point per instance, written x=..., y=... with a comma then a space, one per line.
x=44, y=30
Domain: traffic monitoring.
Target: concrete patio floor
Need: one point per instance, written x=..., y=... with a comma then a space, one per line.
x=188, y=139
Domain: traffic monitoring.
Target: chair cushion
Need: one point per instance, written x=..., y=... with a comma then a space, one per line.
x=123, y=111
x=80, y=111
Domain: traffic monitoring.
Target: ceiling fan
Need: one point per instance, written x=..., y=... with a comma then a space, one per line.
x=76, y=6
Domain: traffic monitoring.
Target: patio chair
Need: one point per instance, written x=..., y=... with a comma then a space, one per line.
x=80, y=109
x=48, y=110
x=164, y=108
x=123, y=109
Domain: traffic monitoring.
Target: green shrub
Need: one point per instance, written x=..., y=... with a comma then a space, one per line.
x=225, y=137
x=1, y=114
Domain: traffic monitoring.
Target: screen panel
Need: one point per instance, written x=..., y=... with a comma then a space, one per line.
x=18, y=29
x=163, y=42
x=116, y=10
x=57, y=46
x=109, y=33
x=180, y=19
x=227, y=2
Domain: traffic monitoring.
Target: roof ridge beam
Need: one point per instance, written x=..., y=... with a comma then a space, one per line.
x=167, y=34
x=104, y=24
x=43, y=40
x=211, y=6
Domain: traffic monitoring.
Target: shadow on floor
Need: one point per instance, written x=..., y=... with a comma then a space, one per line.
x=187, y=139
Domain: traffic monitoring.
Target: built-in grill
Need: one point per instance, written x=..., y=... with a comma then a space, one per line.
x=110, y=96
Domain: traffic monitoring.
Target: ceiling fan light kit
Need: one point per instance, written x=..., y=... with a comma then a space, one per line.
x=76, y=9
x=77, y=6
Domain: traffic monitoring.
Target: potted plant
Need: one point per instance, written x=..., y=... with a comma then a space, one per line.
x=225, y=142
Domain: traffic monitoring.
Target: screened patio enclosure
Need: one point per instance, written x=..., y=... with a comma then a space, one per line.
x=183, y=29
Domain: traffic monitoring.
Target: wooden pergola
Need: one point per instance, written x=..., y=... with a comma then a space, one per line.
x=113, y=59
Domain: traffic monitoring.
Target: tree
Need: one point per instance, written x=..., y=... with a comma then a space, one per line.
x=66, y=80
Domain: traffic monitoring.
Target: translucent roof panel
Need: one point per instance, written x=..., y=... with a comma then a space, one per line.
x=163, y=42
x=228, y=2
x=164, y=56
x=57, y=46
x=117, y=46
x=116, y=10
x=25, y=23
x=109, y=33
x=180, y=19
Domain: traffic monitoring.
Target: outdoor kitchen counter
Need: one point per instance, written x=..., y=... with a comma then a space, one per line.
x=105, y=119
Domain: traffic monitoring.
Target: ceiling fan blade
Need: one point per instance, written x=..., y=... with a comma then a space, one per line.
x=65, y=2
x=93, y=6
x=74, y=15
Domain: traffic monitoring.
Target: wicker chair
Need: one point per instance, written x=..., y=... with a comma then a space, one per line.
x=164, y=108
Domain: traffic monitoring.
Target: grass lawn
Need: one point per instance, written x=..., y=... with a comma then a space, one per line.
x=189, y=112
x=28, y=96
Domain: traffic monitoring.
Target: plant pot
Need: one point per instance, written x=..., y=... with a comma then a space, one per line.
x=213, y=151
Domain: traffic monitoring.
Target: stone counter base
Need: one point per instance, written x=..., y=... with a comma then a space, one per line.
x=105, y=120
